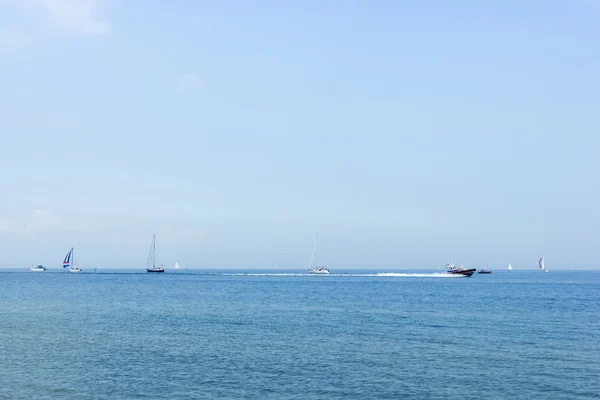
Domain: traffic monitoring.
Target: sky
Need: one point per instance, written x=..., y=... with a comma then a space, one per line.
x=407, y=133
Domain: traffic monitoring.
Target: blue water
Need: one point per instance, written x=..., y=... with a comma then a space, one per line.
x=198, y=335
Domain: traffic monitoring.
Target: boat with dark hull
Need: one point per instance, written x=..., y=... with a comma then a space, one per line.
x=484, y=271
x=151, y=263
x=459, y=271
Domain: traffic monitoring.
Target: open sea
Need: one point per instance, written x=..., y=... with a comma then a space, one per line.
x=262, y=335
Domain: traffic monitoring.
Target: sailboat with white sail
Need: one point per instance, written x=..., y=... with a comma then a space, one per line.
x=317, y=269
x=69, y=261
x=177, y=266
x=509, y=266
x=151, y=263
x=541, y=264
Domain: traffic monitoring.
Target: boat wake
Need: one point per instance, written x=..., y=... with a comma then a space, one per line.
x=379, y=274
x=419, y=275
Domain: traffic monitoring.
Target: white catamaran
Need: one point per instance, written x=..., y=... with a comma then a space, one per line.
x=318, y=269
x=69, y=262
x=151, y=263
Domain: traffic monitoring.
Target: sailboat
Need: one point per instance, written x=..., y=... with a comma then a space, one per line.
x=39, y=268
x=541, y=264
x=151, y=263
x=177, y=266
x=509, y=266
x=69, y=263
x=318, y=269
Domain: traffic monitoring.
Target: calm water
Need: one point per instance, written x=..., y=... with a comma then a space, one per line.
x=189, y=335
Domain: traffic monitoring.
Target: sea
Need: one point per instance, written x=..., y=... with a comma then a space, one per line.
x=277, y=334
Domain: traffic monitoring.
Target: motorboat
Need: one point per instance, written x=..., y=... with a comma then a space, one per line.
x=459, y=271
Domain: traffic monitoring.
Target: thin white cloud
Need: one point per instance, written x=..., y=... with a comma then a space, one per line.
x=76, y=16
x=81, y=17
x=189, y=82
x=41, y=221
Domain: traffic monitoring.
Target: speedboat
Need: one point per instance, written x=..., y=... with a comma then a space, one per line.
x=459, y=271
x=319, y=270
x=39, y=268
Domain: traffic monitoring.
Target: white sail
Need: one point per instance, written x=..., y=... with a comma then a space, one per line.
x=177, y=266
x=509, y=266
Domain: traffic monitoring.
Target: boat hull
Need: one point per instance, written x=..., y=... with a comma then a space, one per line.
x=36, y=270
x=155, y=270
x=74, y=270
x=484, y=272
x=462, y=272
x=318, y=272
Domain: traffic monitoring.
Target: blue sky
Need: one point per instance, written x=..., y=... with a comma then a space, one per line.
x=406, y=133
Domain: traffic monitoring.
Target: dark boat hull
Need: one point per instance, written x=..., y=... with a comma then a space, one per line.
x=484, y=272
x=462, y=272
x=154, y=270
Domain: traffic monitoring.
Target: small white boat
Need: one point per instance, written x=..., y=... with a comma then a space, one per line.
x=318, y=269
x=177, y=266
x=68, y=262
x=39, y=268
x=151, y=263
x=509, y=266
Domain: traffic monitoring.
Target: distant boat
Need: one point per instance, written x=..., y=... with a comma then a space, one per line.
x=151, y=263
x=39, y=268
x=318, y=269
x=177, y=266
x=485, y=270
x=69, y=261
x=459, y=270
x=541, y=264
x=509, y=266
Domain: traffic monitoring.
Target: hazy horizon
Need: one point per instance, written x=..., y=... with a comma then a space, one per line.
x=405, y=133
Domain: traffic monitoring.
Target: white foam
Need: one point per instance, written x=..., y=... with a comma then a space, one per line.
x=432, y=275
x=379, y=274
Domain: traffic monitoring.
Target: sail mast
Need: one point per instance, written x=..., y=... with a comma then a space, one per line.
x=313, y=251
